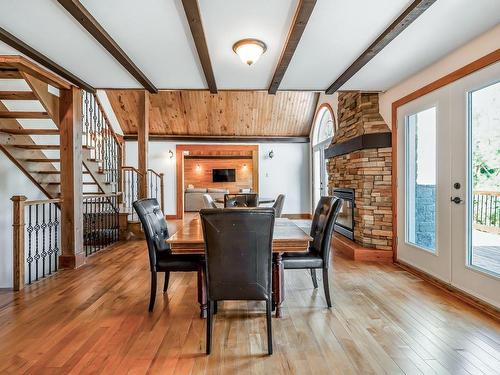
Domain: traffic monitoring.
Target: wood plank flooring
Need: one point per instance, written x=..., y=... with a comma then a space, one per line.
x=384, y=321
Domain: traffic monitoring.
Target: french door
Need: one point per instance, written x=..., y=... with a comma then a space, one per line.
x=449, y=184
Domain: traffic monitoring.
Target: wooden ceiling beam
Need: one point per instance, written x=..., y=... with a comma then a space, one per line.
x=302, y=14
x=194, y=19
x=83, y=16
x=43, y=60
x=415, y=10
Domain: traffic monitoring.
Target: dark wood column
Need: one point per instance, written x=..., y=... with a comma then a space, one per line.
x=142, y=142
x=70, y=110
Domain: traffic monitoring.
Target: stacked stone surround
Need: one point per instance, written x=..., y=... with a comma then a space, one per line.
x=367, y=171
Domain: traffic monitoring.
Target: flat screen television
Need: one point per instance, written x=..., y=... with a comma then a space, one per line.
x=223, y=175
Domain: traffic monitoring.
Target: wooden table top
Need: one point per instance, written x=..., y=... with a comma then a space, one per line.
x=261, y=200
x=287, y=237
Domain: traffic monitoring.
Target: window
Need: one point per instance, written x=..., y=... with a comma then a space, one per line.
x=323, y=132
x=421, y=179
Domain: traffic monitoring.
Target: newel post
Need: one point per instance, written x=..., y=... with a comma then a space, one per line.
x=143, y=143
x=162, y=192
x=18, y=241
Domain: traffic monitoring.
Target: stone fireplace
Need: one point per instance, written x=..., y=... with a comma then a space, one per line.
x=360, y=158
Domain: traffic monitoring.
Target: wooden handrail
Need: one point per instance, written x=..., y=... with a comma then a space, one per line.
x=42, y=201
x=155, y=173
x=132, y=169
x=102, y=195
x=484, y=192
x=99, y=104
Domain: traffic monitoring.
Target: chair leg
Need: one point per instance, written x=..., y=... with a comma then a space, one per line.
x=152, y=297
x=167, y=279
x=209, y=326
x=327, y=287
x=269, y=328
x=313, y=276
x=216, y=307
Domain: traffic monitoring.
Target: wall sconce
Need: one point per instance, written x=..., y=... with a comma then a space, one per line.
x=271, y=154
x=198, y=168
x=170, y=154
x=244, y=167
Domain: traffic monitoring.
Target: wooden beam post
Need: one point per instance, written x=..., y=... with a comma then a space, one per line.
x=142, y=143
x=18, y=241
x=70, y=107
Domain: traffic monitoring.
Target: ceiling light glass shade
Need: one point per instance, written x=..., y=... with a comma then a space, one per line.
x=249, y=50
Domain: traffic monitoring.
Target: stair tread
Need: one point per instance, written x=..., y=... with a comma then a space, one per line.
x=24, y=114
x=26, y=131
x=47, y=160
x=17, y=95
x=37, y=147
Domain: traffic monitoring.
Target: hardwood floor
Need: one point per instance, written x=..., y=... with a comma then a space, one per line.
x=384, y=320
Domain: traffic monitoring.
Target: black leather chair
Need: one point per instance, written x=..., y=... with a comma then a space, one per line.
x=278, y=204
x=241, y=200
x=161, y=258
x=318, y=255
x=238, y=253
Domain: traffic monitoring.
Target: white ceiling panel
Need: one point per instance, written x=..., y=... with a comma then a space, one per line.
x=155, y=35
x=225, y=22
x=445, y=26
x=336, y=34
x=47, y=27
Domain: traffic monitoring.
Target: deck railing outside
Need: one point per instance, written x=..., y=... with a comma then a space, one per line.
x=36, y=239
x=486, y=211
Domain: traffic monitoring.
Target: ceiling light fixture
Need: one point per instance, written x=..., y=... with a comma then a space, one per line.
x=249, y=50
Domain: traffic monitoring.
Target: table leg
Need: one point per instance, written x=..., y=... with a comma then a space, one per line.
x=278, y=283
x=202, y=293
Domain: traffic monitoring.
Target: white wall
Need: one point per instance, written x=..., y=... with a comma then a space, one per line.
x=475, y=49
x=288, y=172
x=12, y=182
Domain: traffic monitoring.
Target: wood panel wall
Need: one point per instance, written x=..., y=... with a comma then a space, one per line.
x=198, y=172
x=228, y=113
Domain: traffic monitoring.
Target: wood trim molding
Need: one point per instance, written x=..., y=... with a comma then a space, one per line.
x=179, y=161
x=227, y=139
x=302, y=14
x=455, y=292
x=315, y=118
x=415, y=10
x=83, y=16
x=464, y=71
x=194, y=19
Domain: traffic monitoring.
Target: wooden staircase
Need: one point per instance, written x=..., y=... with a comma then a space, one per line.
x=29, y=129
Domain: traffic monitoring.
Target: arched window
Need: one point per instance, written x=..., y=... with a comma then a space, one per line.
x=324, y=127
x=322, y=135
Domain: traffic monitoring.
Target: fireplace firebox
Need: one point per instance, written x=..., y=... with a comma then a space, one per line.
x=345, y=220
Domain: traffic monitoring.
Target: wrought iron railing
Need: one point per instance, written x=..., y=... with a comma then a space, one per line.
x=100, y=139
x=36, y=239
x=486, y=209
x=131, y=179
x=155, y=186
x=101, y=226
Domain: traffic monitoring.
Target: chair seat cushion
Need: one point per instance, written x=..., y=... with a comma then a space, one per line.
x=178, y=262
x=302, y=260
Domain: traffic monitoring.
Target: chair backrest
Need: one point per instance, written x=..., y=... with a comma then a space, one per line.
x=238, y=252
x=208, y=201
x=241, y=200
x=278, y=204
x=322, y=226
x=154, y=226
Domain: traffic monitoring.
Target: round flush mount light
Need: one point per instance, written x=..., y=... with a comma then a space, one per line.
x=249, y=50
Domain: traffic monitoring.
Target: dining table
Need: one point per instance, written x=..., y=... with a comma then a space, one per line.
x=287, y=237
x=262, y=200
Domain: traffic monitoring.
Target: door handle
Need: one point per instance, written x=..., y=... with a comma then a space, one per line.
x=456, y=200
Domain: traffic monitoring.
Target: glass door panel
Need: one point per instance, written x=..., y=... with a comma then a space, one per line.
x=484, y=176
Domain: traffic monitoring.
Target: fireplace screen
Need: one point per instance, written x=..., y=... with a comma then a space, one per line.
x=345, y=220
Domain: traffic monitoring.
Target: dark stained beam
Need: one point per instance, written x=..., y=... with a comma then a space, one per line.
x=304, y=10
x=82, y=15
x=411, y=13
x=193, y=16
x=43, y=60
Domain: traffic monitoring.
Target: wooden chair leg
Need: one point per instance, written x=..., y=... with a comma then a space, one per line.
x=209, y=327
x=167, y=279
x=152, y=297
x=313, y=276
x=216, y=307
x=327, y=287
x=269, y=328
